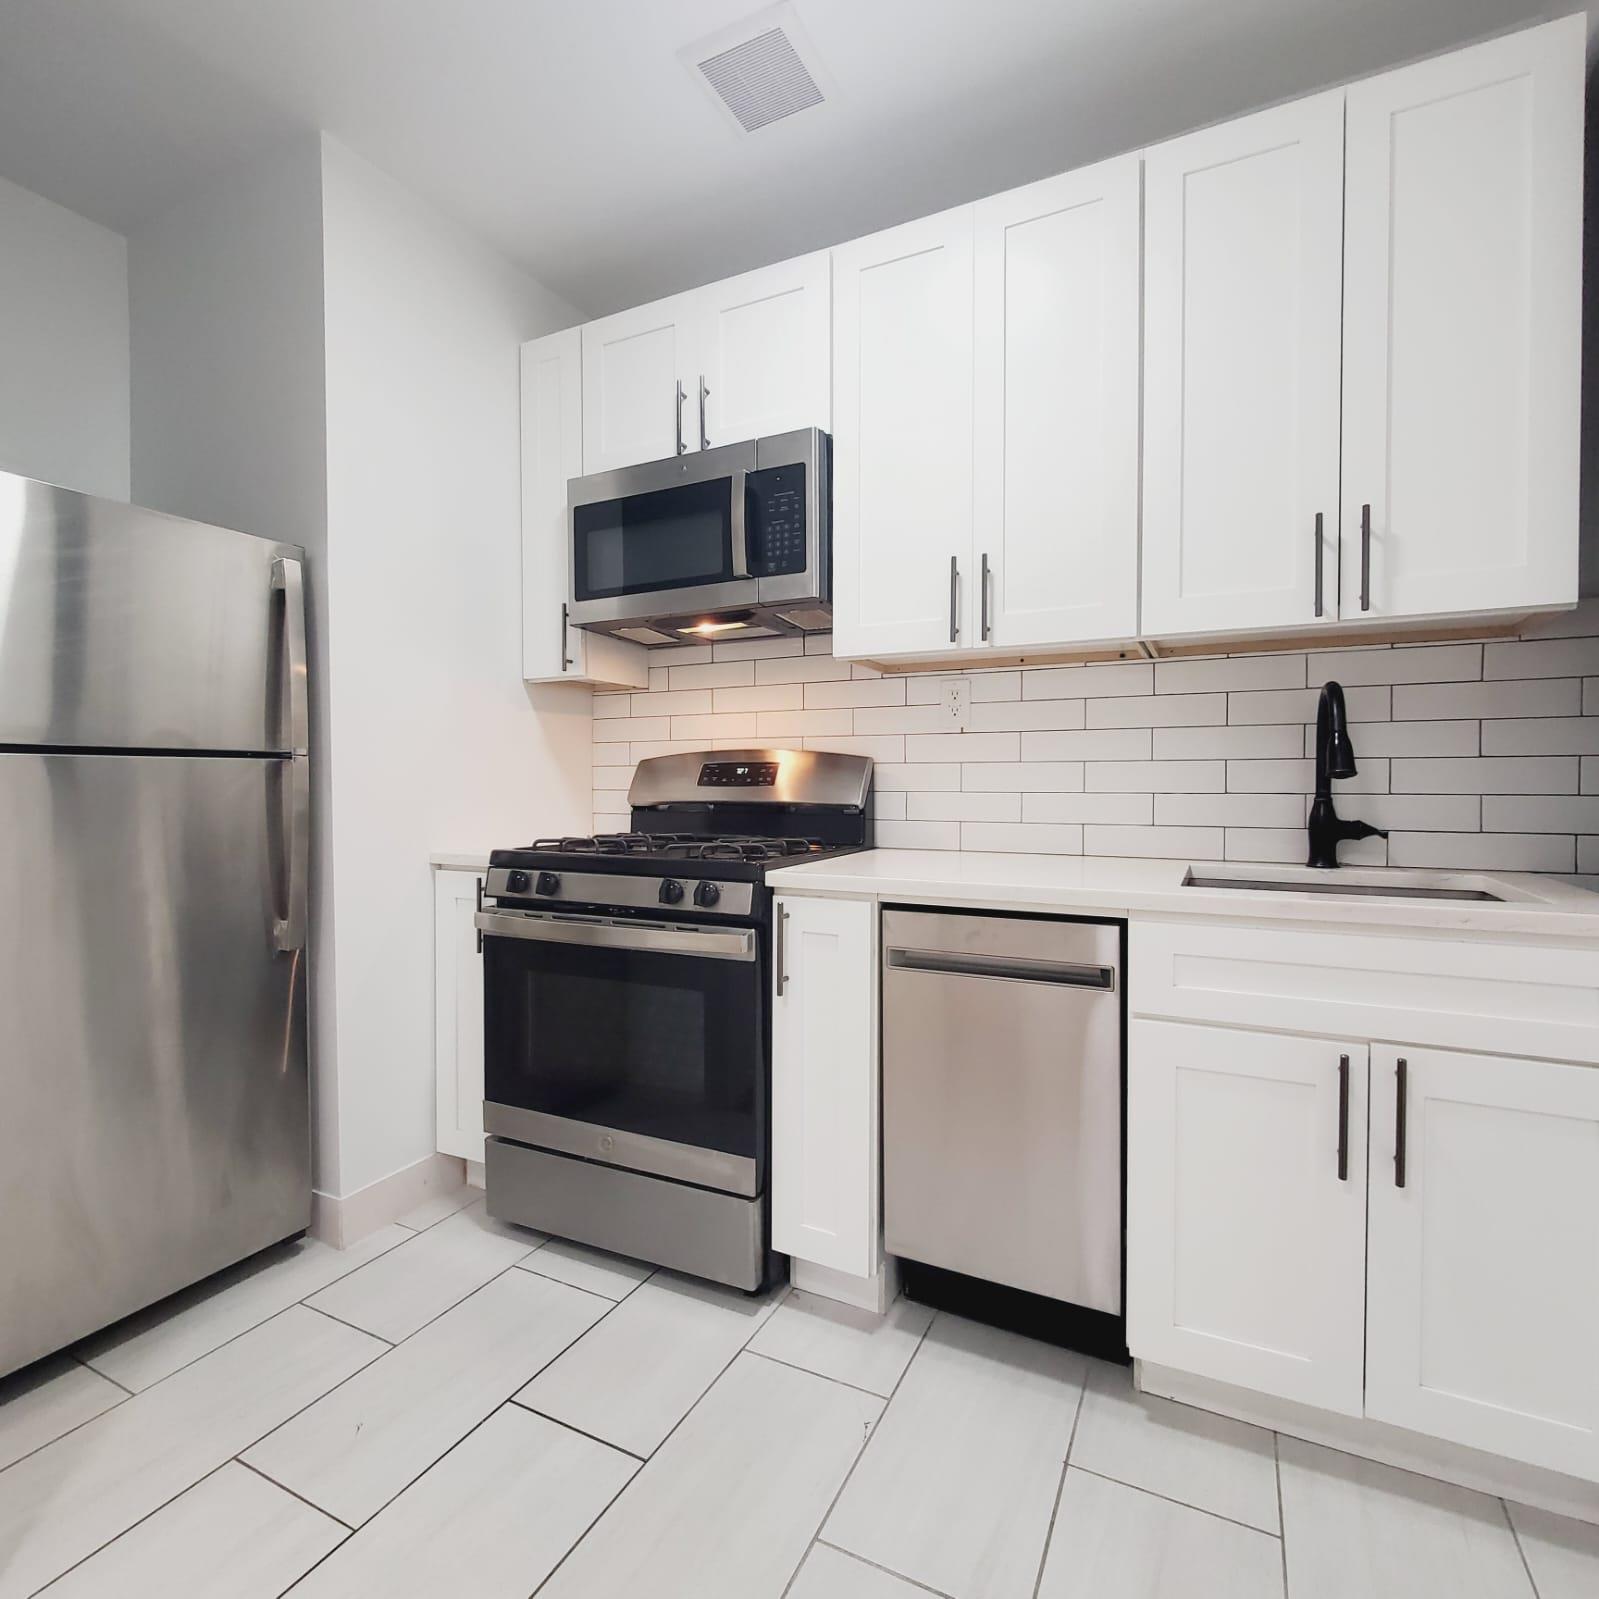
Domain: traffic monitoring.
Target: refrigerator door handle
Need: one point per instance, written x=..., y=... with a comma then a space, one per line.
x=294, y=818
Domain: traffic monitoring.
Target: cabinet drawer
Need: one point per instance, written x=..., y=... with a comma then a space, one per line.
x=1526, y=999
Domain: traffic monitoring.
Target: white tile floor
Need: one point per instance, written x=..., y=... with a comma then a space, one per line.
x=459, y=1407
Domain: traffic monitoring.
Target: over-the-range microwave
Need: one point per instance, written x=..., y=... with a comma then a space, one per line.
x=729, y=543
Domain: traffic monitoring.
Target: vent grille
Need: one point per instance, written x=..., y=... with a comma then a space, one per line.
x=759, y=71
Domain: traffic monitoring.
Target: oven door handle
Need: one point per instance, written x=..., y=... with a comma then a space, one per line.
x=714, y=943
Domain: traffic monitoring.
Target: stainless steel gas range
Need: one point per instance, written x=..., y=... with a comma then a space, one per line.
x=627, y=1036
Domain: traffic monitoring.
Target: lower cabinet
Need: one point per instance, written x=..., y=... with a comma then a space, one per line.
x=825, y=1168
x=458, y=1013
x=1483, y=1268
x=1246, y=1209
x=1450, y=1285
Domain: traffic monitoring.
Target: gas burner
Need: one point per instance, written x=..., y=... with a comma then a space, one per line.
x=610, y=844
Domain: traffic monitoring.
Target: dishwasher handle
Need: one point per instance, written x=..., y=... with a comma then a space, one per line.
x=1008, y=968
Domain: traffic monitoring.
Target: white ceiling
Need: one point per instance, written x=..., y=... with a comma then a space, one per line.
x=567, y=133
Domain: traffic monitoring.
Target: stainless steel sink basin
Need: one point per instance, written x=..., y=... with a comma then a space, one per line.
x=1340, y=887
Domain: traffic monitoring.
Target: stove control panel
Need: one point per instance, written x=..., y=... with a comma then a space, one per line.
x=738, y=774
x=622, y=890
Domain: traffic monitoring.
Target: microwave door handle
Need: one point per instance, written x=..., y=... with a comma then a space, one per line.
x=740, y=534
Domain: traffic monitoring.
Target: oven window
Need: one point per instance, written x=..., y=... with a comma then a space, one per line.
x=672, y=538
x=667, y=1045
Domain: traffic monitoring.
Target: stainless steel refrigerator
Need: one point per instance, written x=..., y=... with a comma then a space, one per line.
x=154, y=800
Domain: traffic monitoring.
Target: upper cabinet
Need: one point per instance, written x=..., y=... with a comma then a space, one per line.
x=902, y=439
x=1462, y=317
x=734, y=360
x=1056, y=410
x=1243, y=226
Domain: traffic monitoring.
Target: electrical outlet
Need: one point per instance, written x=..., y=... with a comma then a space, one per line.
x=957, y=697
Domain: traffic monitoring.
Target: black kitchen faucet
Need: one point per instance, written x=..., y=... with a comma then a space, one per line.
x=1335, y=757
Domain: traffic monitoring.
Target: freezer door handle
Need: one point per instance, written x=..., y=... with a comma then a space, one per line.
x=294, y=784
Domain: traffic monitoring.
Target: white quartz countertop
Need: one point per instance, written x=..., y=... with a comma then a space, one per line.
x=1533, y=905
x=467, y=861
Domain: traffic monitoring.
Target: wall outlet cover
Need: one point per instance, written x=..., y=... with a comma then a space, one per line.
x=957, y=698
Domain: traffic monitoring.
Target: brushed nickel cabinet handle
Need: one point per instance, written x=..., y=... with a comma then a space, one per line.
x=954, y=598
x=1343, y=1118
x=1401, y=1113
x=705, y=438
x=681, y=396
x=1365, y=557
x=982, y=592
x=1318, y=564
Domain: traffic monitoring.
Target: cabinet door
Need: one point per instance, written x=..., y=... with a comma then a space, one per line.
x=1462, y=317
x=763, y=353
x=1057, y=275
x=634, y=365
x=1242, y=249
x=458, y=1014
x=552, y=452
x=824, y=1083
x=902, y=439
x=1483, y=1313
x=1246, y=1209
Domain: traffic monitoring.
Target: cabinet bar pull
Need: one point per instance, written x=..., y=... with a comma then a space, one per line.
x=1318, y=564
x=1365, y=557
x=781, y=954
x=982, y=591
x=1343, y=1118
x=678, y=424
x=1400, y=1101
x=705, y=438
x=566, y=626
x=479, y=912
x=954, y=598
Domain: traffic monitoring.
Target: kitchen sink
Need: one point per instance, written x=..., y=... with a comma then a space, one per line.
x=1409, y=885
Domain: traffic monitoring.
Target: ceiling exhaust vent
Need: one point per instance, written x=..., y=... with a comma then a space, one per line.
x=760, y=70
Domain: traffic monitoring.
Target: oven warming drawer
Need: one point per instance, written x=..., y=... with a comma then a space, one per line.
x=716, y=1236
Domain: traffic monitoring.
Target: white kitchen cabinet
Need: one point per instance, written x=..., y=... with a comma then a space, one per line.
x=1462, y=304
x=636, y=402
x=825, y=1164
x=1246, y=1209
x=552, y=452
x=762, y=353
x=458, y=1013
x=1056, y=409
x=1242, y=253
x=903, y=581
x=1483, y=1299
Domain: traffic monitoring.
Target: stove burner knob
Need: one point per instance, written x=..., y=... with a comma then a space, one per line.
x=548, y=883
x=671, y=891
x=516, y=882
x=706, y=895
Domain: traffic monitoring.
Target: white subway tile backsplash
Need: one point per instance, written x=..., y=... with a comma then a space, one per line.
x=1089, y=682
x=1133, y=810
x=963, y=807
x=1159, y=710
x=1230, y=672
x=1536, y=696
x=1492, y=755
x=1437, y=663
x=1548, y=774
x=1023, y=838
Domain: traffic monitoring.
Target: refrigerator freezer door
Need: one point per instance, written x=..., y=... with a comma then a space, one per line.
x=153, y=1096
x=124, y=628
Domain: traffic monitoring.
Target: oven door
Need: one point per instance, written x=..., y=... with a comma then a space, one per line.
x=637, y=1045
x=665, y=538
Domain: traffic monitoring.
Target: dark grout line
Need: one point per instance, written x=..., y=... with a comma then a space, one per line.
x=89, y=1365
x=854, y=1387
x=311, y=1504
x=1215, y=1515
x=1060, y=1486
x=888, y=1571
x=1282, y=1521
x=860, y=1454
x=317, y=1310
x=1526, y=1565
x=593, y=1437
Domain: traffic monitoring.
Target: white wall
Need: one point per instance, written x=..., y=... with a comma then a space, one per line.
x=63, y=346
x=437, y=743
x=228, y=427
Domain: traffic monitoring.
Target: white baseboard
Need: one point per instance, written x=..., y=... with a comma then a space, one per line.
x=1376, y=1440
x=865, y=1293
x=475, y=1174
x=345, y=1221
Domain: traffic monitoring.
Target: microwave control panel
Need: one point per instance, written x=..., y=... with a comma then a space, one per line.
x=774, y=520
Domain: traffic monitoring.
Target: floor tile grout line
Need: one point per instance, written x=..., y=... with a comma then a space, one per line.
x=633, y=1288
x=593, y=1437
x=1282, y=1520
x=310, y=1504
x=317, y=1310
x=888, y=1571
x=1526, y=1565
x=89, y=1366
x=1060, y=1486
x=854, y=1387
x=72, y=1429
x=1183, y=1504
x=860, y=1454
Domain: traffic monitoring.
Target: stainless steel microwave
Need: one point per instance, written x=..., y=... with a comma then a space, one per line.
x=726, y=543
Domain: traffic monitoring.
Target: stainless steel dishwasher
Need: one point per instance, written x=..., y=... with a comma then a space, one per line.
x=1002, y=1102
